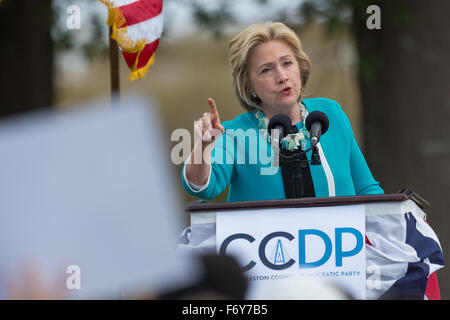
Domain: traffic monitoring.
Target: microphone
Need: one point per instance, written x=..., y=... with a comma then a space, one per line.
x=317, y=124
x=282, y=123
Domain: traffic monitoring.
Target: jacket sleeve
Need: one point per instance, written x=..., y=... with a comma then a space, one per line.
x=362, y=177
x=221, y=170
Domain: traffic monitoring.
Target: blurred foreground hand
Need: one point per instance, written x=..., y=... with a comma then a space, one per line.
x=29, y=284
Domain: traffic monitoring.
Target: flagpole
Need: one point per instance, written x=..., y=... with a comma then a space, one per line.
x=114, y=67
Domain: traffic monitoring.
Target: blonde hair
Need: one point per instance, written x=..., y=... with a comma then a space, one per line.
x=241, y=46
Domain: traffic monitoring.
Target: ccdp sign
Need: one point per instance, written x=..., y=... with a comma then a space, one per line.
x=303, y=236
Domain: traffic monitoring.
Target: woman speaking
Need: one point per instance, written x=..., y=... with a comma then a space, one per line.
x=270, y=71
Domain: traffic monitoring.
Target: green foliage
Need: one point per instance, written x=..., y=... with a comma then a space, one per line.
x=214, y=19
x=95, y=47
x=62, y=40
x=336, y=14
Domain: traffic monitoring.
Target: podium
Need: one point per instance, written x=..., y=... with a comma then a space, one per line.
x=372, y=246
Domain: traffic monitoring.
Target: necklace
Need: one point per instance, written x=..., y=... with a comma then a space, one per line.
x=293, y=140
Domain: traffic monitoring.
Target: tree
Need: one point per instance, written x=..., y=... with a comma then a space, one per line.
x=405, y=87
x=26, y=56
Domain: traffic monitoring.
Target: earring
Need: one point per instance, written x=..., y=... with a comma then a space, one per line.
x=254, y=96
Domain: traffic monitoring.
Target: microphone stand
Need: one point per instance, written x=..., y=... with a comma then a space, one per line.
x=297, y=162
x=297, y=177
x=315, y=158
x=294, y=164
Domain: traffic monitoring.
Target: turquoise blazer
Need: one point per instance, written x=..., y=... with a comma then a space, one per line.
x=247, y=168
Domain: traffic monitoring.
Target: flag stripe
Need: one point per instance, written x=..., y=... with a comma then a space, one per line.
x=150, y=30
x=119, y=3
x=432, y=292
x=140, y=11
x=145, y=55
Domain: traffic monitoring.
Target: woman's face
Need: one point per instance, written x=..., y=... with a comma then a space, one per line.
x=275, y=76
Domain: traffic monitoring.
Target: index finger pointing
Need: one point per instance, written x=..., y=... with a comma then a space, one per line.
x=213, y=109
x=212, y=106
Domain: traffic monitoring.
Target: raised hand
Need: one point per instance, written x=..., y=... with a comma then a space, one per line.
x=208, y=127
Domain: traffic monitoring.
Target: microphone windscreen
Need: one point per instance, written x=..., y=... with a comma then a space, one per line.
x=280, y=120
x=317, y=116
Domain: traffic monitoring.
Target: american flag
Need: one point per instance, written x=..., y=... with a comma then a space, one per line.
x=406, y=252
x=136, y=26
